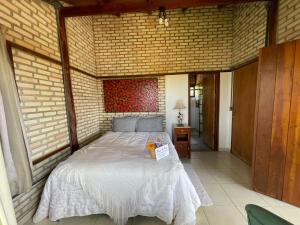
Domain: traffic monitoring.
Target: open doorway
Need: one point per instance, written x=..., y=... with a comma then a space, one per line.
x=204, y=111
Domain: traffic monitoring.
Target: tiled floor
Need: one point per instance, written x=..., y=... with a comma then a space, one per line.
x=197, y=143
x=227, y=180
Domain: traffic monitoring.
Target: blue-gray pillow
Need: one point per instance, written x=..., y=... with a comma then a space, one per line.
x=150, y=124
x=124, y=124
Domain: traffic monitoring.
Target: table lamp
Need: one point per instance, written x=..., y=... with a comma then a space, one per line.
x=179, y=105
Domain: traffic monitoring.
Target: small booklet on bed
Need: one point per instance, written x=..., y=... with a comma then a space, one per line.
x=157, y=149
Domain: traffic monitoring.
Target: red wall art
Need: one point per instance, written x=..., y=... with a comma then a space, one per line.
x=131, y=95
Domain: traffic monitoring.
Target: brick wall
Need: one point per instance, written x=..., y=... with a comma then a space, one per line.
x=87, y=104
x=106, y=118
x=81, y=43
x=31, y=24
x=288, y=20
x=249, y=31
x=42, y=98
x=85, y=91
x=41, y=93
x=133, y=44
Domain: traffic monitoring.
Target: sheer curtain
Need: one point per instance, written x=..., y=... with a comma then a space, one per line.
x=7, y=213
x=15, y=147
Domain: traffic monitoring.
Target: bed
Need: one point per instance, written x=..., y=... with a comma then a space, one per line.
x=115, y=175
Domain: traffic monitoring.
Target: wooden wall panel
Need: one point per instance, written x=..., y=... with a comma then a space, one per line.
x=264, y=114
x=291, y=190
x=209, y=110
x=280, y=124
x=243, y=114
x=276, y=170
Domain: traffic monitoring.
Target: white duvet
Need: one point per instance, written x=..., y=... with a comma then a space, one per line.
x=116, y=176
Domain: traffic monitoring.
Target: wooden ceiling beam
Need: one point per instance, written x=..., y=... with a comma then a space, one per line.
x=272, y=20
x=114, y=7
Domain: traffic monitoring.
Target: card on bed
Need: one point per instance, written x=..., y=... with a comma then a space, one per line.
x=162, y=152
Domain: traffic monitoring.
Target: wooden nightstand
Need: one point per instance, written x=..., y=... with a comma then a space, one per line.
x=181, y=137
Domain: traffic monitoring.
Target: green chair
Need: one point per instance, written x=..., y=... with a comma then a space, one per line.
x=260, y=216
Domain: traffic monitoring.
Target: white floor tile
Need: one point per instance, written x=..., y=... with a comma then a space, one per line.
x=78, y=220
x=226, y=176
x=217, y=194
x=224, y=215
x=205, y=176
x=241, y=195
x=274, y=202
x=201, y=217
x=291, y=214
x=43, y=222
x=142, y=220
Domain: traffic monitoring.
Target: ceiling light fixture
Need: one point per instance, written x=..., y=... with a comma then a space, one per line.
x=162, y=17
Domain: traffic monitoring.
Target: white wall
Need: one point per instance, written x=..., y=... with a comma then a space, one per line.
x=176, y=88
x=225, y=116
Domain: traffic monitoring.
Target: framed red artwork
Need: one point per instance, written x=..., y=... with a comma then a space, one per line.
x=131, y=95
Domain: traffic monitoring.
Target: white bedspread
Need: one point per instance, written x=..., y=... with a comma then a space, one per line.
x=116, y=176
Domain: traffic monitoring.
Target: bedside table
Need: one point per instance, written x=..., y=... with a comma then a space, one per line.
x=181, y=136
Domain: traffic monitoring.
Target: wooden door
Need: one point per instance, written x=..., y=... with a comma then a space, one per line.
x=244, y=98
x=263, y=117
x=272, y=118
x=209, y=110
x=291, y=188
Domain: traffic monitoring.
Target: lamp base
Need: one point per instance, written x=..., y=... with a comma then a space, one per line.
x=179, y=125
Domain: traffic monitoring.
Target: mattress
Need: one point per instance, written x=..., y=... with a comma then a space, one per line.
x=115, y=175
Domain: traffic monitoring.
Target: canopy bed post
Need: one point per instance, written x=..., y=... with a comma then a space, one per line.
x=64, y=54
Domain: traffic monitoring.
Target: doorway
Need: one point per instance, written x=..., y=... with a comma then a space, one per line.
x=244, y=101
x=204, y=111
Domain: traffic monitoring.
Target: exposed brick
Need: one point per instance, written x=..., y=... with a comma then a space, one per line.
x=87, y=104
x=81, y=43
x=249, y=31
x=38, y=100
x=25, y=25
x=288, y=20
x=135, y=43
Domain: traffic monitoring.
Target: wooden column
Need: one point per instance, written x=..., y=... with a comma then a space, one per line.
x=64, y=54
x=271, y=37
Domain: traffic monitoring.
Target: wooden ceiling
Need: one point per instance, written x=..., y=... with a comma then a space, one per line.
x=94, y=7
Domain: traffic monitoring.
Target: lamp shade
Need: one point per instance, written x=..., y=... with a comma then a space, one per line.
x=179, y=105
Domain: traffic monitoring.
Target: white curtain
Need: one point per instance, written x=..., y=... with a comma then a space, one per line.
x=7, y=213
x=15, y=146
